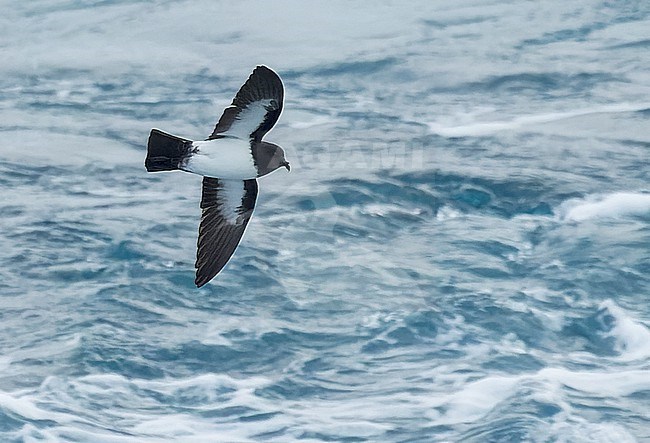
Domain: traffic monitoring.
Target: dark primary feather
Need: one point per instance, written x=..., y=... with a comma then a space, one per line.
x=222, y=227
x=263, y=84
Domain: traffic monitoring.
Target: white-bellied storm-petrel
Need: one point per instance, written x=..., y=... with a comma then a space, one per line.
x=230, y=161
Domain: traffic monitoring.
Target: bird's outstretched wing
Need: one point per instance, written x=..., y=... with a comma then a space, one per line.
x=227, y=207
x=255, y=108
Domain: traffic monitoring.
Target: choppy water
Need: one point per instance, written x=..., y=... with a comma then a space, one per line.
x=460, y=253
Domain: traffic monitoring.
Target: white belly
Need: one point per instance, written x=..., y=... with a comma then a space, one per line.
x=228, y=158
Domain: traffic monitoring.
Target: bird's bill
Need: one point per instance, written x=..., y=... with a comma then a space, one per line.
x=287, y=165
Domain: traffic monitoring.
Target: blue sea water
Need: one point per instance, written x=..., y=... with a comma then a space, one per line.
x=461, y=252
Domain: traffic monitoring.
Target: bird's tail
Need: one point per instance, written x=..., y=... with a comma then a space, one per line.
x=165, y=151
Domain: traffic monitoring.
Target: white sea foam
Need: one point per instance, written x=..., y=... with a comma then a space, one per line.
x=610, y=384
x=578, y=430
x=446, y=213
x=473, y=401
x=142, y=417
x=26, y=406
x=478, y=398
x=632, y=337
x=315, y=121
x=47, y=148
x=526, y=121
x=619, y=204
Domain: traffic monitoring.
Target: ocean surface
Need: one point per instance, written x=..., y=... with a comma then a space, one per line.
x=461, y=252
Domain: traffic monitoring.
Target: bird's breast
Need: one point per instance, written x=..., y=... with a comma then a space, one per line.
x=227, y=158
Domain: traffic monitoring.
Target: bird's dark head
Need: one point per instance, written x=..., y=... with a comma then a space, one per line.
x=268, y=157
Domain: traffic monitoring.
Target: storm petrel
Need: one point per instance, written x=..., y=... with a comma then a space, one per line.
x=230, y=161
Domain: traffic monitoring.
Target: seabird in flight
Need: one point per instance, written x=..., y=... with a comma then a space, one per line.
x=230, y=161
